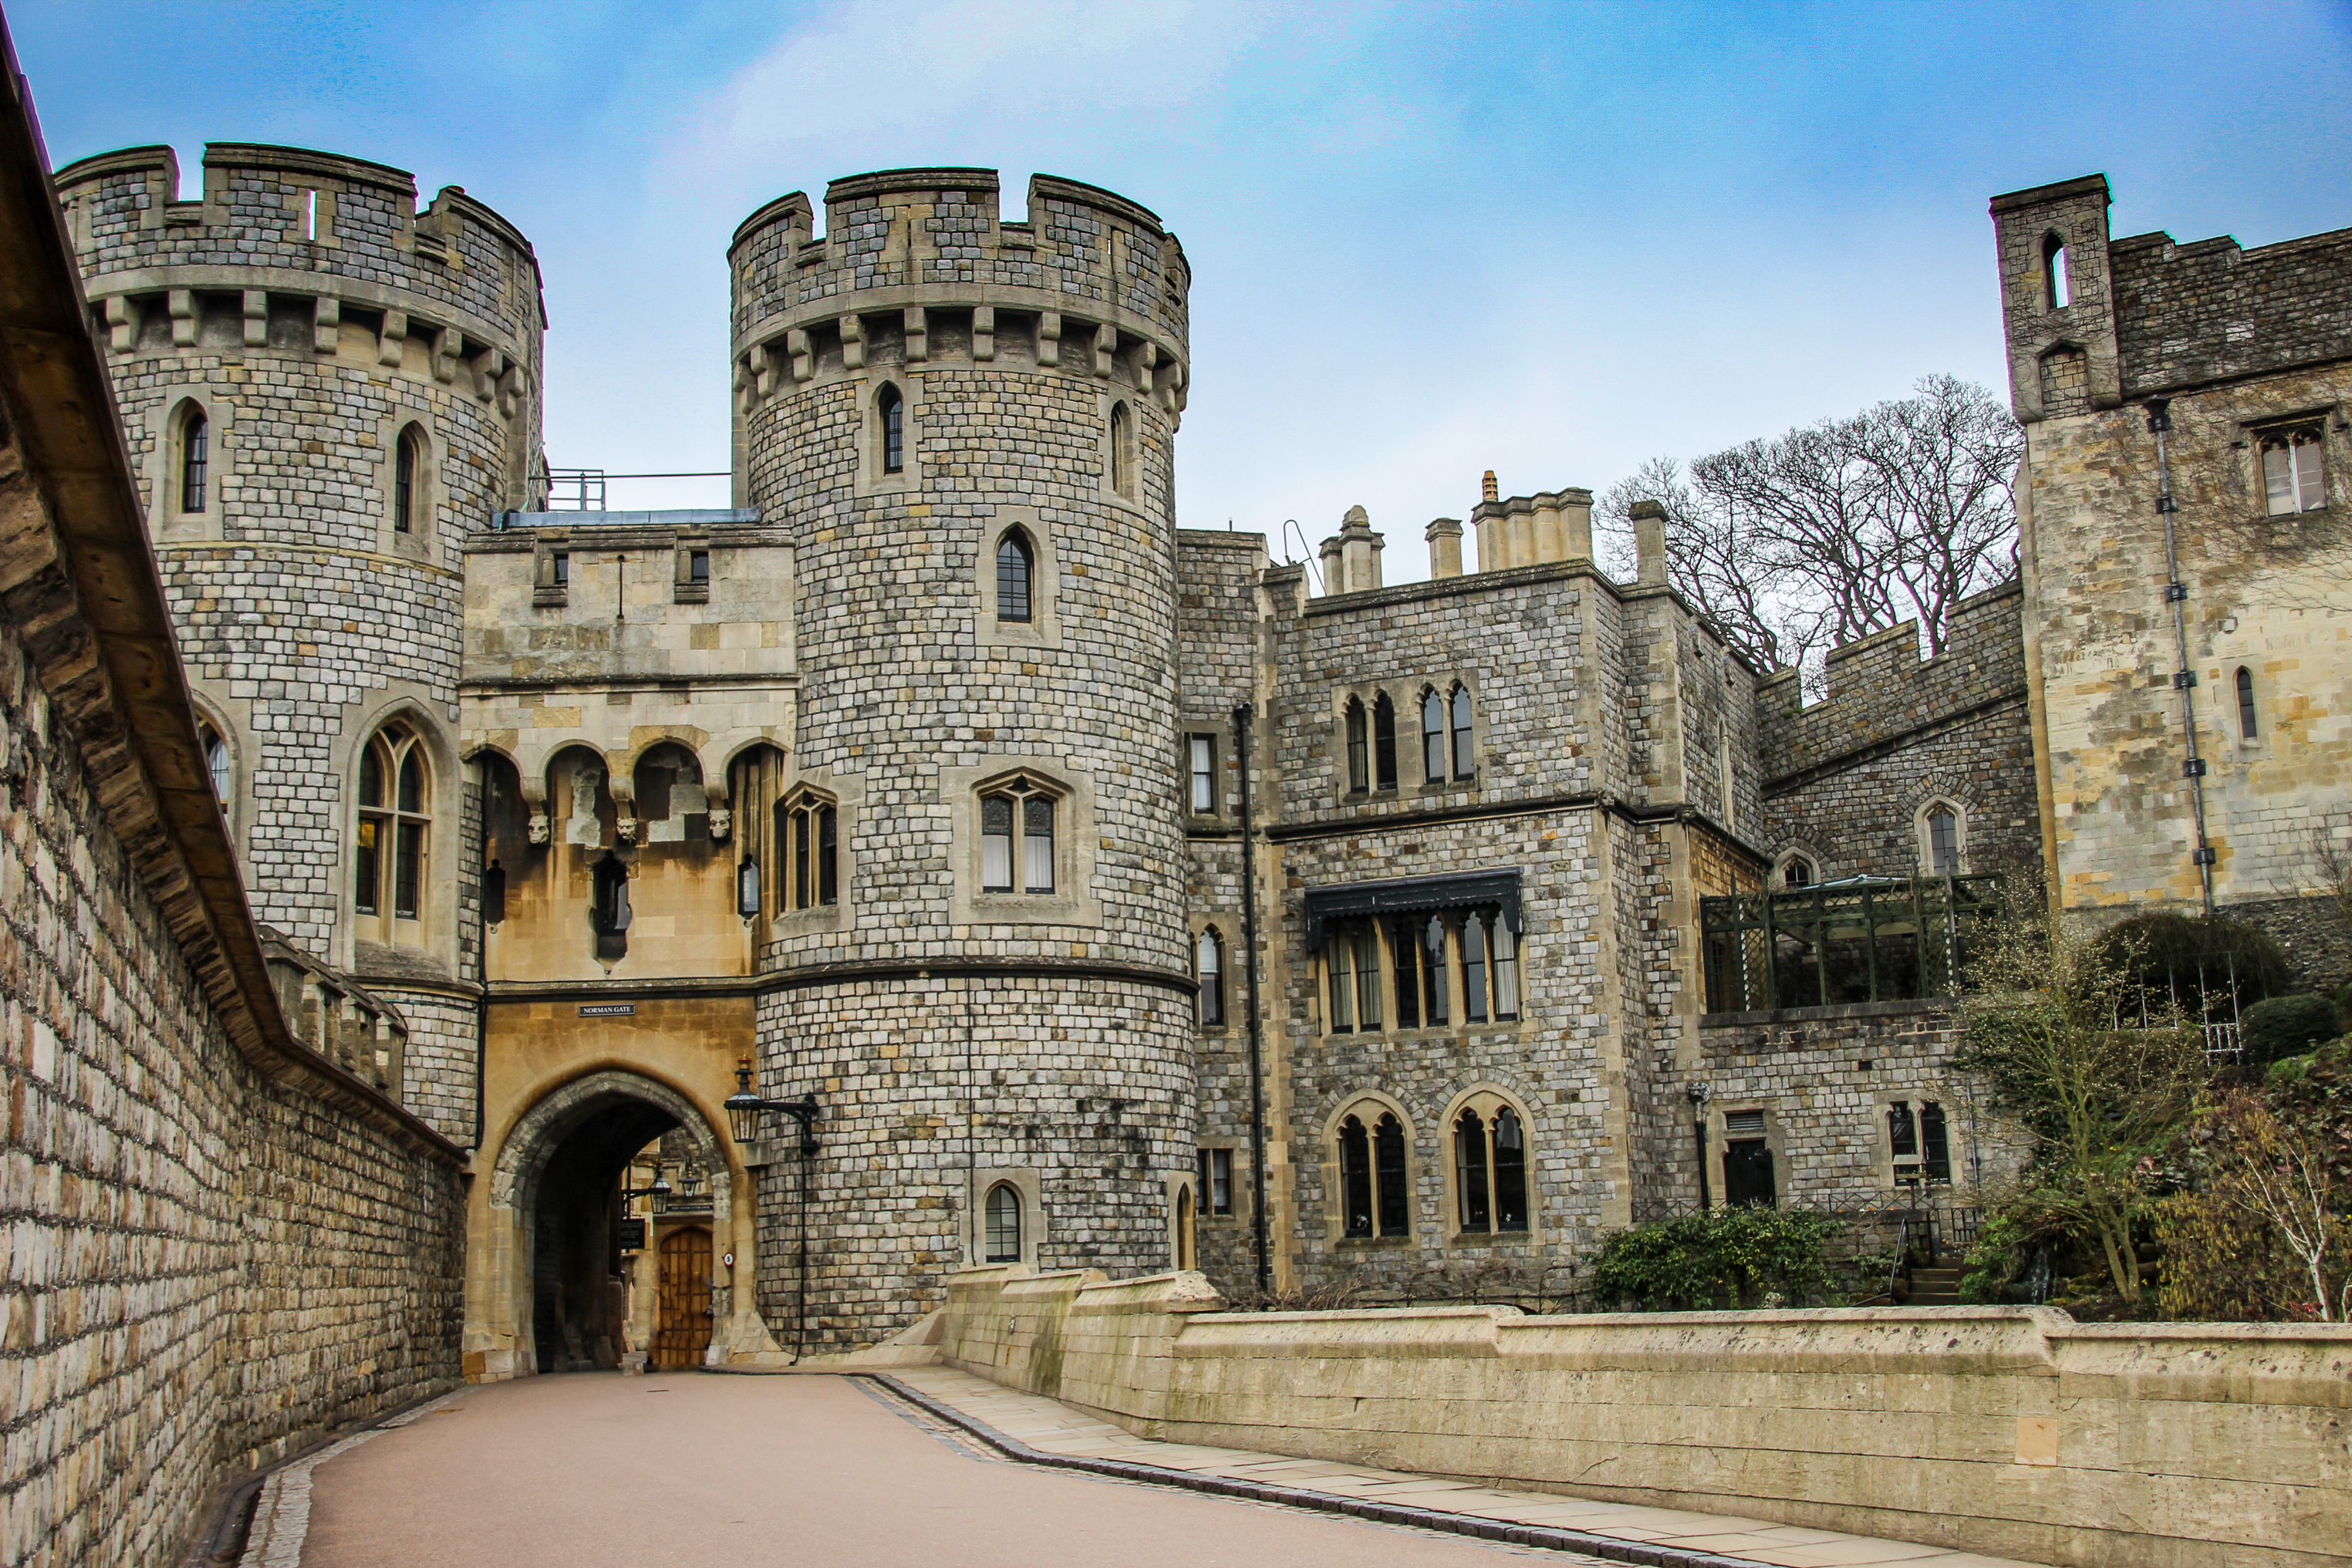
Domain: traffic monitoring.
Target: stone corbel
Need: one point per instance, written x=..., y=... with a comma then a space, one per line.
x=722, y=821
x=853, y=341
x=760, y=370
x=256, y=317
x=539, y=827
x=392, y=338
x=796, y=343
x=1106, y=349
x=447, y=344
x=624, y=829
x=1171, y=391
x=121, y=323
x=535, y=796
x=919, y=337
x=622, y=788
x=510, y=388
x=1147, y=361
x=325, y=324
x=983, y=333
x=487, y=371
x=182, y=304
x=1049, y=338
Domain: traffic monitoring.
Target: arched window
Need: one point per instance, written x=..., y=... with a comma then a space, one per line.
x=217, y=763
x=1374, y=1197
x=407, y=461
x=1384, y=768
x=2247, y=727
x=395, y=800
x=808, y=826
x=1001, y=1240
x=1016, y=839
x=1209, y=964
x=890, y=412
x=1015, y=563
x=1465, y=762
x=1490, y=1167
x=2056, y=286
x=1122, y=450
x=608, y=909
x=667, y=785
x=1360, y=776
x=1185, y=1258
x=1798, y=872
x=195, y=460
x=1432, y=736
x=1940, y=829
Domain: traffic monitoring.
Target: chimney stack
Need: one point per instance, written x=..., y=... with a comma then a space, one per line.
x=1445, y=537
x=1650, y=541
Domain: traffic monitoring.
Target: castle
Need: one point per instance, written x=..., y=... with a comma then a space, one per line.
x=1122, y=897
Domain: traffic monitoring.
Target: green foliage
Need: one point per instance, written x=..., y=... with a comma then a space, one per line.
x=2004, y=1250
x=2173, y=953
x=2289, y=1025
x=1716, y=1259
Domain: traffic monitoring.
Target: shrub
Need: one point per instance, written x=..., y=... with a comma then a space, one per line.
x=1718, y=1258
x=2191, y=957
x=2289, y=1025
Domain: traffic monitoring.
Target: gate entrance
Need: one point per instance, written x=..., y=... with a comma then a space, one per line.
x=683, y=1328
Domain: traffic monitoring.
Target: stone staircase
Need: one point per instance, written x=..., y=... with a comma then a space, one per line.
x=1935, y=1288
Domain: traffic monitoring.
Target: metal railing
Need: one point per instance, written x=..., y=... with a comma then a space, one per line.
x=574, y=490
x=1862, y=939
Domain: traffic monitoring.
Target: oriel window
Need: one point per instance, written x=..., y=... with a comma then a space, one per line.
x=1404, y=953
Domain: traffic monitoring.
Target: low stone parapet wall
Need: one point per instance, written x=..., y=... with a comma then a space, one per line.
x=2012, y=1431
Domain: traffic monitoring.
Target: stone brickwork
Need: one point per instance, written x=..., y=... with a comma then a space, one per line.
x=314, y=320
x=1038, y=370
x=2244, y=344
x=1852, y=772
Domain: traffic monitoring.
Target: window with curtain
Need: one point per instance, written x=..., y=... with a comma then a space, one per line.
x=1200, y=765
x=1384, y=763
x=2294, y=476
x=1217, y=1181
x=1016, y=839
x=1432, y=736
x=1016, y=561
x=1209, y=968
x=395, y=819
x=1465, y=761
x=1001, y=1241
x=1359, y=777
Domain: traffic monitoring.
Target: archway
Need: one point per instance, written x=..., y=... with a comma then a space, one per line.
x=551, y=1282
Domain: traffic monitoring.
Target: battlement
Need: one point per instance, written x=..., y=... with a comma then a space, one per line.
x=290, y=221
x=917, y=266
x=1879, y=689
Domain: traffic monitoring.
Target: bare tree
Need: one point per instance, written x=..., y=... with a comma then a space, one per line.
x=1841, y=528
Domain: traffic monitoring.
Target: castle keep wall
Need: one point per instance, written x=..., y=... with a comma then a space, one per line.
x=950, y=1031
x=310, y=315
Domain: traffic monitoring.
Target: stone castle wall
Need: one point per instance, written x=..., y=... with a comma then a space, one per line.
x=1021, y=355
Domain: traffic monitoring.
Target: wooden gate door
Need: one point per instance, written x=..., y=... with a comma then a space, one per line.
x=682, y=1306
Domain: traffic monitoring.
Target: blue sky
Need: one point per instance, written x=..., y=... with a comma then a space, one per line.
x=1427, y=240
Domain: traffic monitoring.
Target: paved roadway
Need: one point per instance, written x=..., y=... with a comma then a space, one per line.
x=594, y=1469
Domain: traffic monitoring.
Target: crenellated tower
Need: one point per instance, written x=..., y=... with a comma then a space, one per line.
x=967, y=426
x=324, y=389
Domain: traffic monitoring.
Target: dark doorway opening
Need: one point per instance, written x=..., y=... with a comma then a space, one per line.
x=1748, y=1174
x=579, y=1302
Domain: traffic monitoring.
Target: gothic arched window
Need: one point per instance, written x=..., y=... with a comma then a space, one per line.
x=890, y=413
x=395, y=800
x=1374, y=1195
x=1360, y=778
x=1016, y=562
x=408, y=461
x=1432, y=736
x=195, y=460
x=1465, y=761
x=1016, y=839
x=1490, y=1167
x=1001, y=1240
x=217, y=761
x=1122, y=451
x=809, y=829
x=1384, y=768
x=2248, y=726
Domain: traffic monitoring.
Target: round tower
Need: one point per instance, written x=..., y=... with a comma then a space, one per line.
x=967, y=426
x=323, y=389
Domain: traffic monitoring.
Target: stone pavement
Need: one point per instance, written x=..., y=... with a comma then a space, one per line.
x=1055, y=1429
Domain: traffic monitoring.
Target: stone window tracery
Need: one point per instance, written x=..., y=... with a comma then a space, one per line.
x=1016, y=838
x=1417, y=965
x=2294, y=474
x=1490, y=1167
x=1375, y=1190
x=1918, y=1142
x=389, y=862
x=808, y=828
x=1943, y=838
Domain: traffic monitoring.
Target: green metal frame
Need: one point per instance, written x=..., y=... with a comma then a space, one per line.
x=1907, y=939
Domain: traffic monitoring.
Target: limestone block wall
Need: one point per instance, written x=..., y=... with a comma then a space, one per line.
x=208, y=1268
x=2008, y=1431
x=1850, y=773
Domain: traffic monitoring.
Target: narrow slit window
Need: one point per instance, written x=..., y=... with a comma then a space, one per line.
x=828, y=855
x=2056, y=286
x=892, y=408
x=195, y=462
x=2248, y=726
x=1209, y=960
x=1384, y=767
x=404, y=481
x=217, y=765
x=1015, y=565
x=1404, y=951
x=1470, y=1171
x=1465, y=762
x=1510, y=1172
x=1359, y=769
x=1433, y=972
x=1355, y=1178
x=309, y=214
x=1217, y=1180
x=1122, y=451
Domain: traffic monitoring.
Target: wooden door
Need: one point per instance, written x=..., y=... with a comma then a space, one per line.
x=682, y=1302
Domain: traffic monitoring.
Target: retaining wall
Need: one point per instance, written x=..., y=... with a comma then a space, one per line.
x=2012, y=1431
